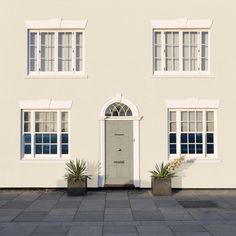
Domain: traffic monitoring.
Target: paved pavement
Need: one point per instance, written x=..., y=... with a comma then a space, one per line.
x=120, y=213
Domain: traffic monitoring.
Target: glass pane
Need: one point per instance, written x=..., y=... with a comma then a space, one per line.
x=32, y=48
x=168, y=38
x=210, y=148
x=184, y=116
x=205, y=38
x=191, y=138
x=46, y=149
x=169, y=51
x=183, y=138
x=64, y=127
x=210, y=126
x=192, y=116
x=172, y=149
x=191, y=148
x=169, y=65
x=172, y=116
x=46, y=138
x=27, y=138
x=199, y=127
x=64, y=149
x=176, y=38
x=64, y=138
x=186, y=38
x=172, y=138
x=210, y=116
x=27, y=116
x=184, y=126
x=191, y=127
x=204, y=65
x=199, y=115
x=176, y=52
x=157, y=39
x=186, y=52
x=184, y=149
x=39, y=149
x=186, y=65
x=172, y=127
x=198, y=138
x=194, y=38
x=38, y=138
x=27, y=149
x=199, y=149
x=210, y=138
x=27, y=127
x=64, y=116
x=53, y=149
x=53, y=138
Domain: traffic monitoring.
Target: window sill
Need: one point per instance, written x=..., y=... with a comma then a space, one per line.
x=57, y=76
x=183, y=76
x=44, y=159
x=199, y=159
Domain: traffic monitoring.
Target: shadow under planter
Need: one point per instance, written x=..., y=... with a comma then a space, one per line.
x=161, y=186
x=77, y=188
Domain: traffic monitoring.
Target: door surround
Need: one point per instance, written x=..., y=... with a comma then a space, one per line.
x=136, y=120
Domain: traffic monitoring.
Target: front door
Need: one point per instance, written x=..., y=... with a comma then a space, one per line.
x=119, y=152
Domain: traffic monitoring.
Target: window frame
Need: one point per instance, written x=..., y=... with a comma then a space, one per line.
x=204, y=155
x=33, y=155
x=40, y=73
x=164, y=72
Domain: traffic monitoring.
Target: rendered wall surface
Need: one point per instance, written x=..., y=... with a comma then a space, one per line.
x=118, y=58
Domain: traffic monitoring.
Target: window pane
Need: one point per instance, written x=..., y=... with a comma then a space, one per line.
x=210, y=138
x=172, y=138
x=79, y=51
x=64, y=116
x=210, y=148
x=46, y=138
x=191, y=127
x=184, y=149
x=210, y=126
x=53, y=149
x=172, y=149
x=210, y=116
x=27, y=138
x=191, y=148
x=199, y=127
x=172, y=127
x=199, y=115
x=184, y=116
x=27, y=149
x=199, y=149
x=45, y=149
x=27, y=127
x=32, y=50
x=38, y=138
x=64, y=149
x=53, y=138
x=199, y=138
x=39, y=149
x=64, y=138
x=184, y=126
x=192, y=116
x=184, y=138
x=191, y=138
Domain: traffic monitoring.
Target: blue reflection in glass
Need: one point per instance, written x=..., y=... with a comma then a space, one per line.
x=38, y=138
x=210, y=148
x=191, y=138
x=199, y=148
x=172, y=149
x=27, y=149
x=184, y=138
x=53, y=149
x=27, y=138
x=64, y=149
x=184, y=149
x=46, y=138
x=64, y=138
x=38, y=149
x=191, y=148
x=199, y=138
x=172, y=138
x=210, y=138
x=53, y=138
x=45, y=149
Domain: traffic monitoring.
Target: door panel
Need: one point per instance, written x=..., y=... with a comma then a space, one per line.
x=119, y=152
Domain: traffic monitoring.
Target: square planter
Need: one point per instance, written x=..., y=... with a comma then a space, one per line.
x=161, y=186
x=76, y=188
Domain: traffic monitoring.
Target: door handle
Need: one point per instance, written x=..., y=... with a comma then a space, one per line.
x=119, y=162
x=119, y=149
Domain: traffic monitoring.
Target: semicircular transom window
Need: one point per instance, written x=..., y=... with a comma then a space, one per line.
x=118, y=109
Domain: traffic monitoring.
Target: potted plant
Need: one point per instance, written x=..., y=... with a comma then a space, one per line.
x=161, y=177
x=76, y=177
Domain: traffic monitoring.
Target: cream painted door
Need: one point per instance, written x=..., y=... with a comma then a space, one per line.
x=119, y=152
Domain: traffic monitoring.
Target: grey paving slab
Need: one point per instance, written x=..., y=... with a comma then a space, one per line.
x=9, y=212
x=85, y=230
x=142, y=204
x=41, y=205
x=16, y=205
x=220, y=229
x=48, y=234
x=147, y=216
x=118, y=217
x=117, y=204
x=187, y=228
x=160, y=229
x=228, y=216
x=96, y=196
x=119, y=229
x=142, y=194
x=54, y=195
x=175, y=214
x=6, y=218
x=58, y=218
x=198, y=214
x=114, y=211
x=65, y=197
x=120, y=234
x=27, y=216
x=193, y=234
x=18, y=230
x=163, y=203
x=62, y=211
x=3, y=202
x=96, y=216
x=67, y=204
x=8, y=196
x=52, y=229
x=92, y=205
x=28, y=196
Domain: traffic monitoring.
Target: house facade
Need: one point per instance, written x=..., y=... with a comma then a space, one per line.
x=121, y=84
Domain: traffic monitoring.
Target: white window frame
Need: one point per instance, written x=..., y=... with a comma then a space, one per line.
x=57, y=25
x=33, y=155
x=181, y=26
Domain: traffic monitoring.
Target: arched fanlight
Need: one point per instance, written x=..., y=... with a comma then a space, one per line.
x=118, y=109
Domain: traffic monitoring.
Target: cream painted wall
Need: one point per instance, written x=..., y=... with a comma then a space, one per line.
x=118, y=59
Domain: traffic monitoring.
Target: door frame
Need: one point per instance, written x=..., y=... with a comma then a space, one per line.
x=136, y=144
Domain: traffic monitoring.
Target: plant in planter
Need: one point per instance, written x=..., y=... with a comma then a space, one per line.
x=76, y=177
x=161, y=176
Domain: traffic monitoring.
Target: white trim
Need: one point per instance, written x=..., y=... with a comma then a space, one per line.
x=136, y=120
x=182, y=23
x=45, y=104
x=193, y=103
x=57, y=23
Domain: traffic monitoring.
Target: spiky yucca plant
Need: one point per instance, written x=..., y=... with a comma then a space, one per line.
x=162, y=171
x=76, y=170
